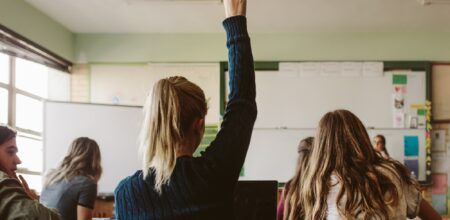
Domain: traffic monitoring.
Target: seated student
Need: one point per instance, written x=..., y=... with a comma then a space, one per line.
x=173, y=184
x=303, y=151
x=72, y=186
x=346, y=179
x=17, y=201
x=380, y=145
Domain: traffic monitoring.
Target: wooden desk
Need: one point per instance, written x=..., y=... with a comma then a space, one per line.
x=104, y=207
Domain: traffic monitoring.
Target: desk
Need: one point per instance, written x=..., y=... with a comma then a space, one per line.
x=104, y=207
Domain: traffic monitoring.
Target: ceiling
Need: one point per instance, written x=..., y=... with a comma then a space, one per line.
x=265, y=16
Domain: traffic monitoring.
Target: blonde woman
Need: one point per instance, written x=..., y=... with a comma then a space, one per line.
x=17, y=201
x=347, y=179
x=72, y=187
x=172, y=183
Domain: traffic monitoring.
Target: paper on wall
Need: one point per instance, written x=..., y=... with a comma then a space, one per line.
x=351, y=69
x=440, y=163
x=373, y=69
x=438, y=140
x=309, y=69
x=439, y=184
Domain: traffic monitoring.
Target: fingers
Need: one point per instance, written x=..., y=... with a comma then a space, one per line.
x=235, y=7
x=24, y=183
x=25, y=186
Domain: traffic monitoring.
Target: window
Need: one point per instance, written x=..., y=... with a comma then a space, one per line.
x=30, y=152
x=29, y=113
x=4, y=68
x=31, y=83
x=3, y=106
x=31, y=77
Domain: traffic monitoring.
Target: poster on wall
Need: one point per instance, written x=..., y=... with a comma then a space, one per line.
x=399, y=93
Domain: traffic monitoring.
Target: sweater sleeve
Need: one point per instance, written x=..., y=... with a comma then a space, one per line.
x=227, y=152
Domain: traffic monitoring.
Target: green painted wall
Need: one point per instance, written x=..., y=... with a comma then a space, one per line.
x=210, y=47
x=131, y=48
x=24, y=19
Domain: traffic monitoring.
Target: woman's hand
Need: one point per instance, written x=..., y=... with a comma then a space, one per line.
x=235, y=7
x=27, y=189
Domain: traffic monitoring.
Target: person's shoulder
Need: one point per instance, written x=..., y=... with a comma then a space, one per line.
x=7, y=181
x=127, y=181
x=82, y=181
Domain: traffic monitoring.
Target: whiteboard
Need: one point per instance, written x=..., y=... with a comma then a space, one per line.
x=115, y=128
x=273, y=152
x=130, y=84
x=287, y=100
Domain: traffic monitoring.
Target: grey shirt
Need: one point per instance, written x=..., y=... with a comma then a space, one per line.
x=65, y=196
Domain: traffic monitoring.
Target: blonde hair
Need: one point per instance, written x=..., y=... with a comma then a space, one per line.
x=83, y=159
x=342, y=148
x=170, y=110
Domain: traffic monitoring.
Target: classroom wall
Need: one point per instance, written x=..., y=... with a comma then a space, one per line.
x=24, y=19
x=210, y=47
x=440, y=108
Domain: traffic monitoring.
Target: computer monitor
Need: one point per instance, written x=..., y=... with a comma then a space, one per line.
x=256, y=200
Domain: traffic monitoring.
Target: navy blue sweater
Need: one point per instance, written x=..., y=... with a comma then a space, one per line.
x=202, y=187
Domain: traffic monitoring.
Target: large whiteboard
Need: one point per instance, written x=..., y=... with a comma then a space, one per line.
x=273, y=152
x=288, y=100
x=115, y=128
x=290, y=105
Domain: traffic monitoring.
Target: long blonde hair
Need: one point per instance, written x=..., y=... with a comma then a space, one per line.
x=83, y=159
x=175, y=103
x=342, y=148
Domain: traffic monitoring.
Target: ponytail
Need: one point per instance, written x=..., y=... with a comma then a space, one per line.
x=169, y=113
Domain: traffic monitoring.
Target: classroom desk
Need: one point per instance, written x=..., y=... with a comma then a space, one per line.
x=104, y=207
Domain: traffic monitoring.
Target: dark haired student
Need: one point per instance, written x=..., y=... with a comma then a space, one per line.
x=17, y=201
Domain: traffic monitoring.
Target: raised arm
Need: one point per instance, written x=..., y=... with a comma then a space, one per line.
x=227, y=152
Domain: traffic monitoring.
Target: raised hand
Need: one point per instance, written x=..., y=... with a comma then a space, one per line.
x=235, y=7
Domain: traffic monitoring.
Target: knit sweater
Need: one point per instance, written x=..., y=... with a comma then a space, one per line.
x=202, y=187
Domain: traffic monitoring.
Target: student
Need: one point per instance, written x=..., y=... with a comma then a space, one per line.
x=346, y=179
x=173, y=184
x=380, y=145
x=303, y=151
x=72, y=186
x=17, y=201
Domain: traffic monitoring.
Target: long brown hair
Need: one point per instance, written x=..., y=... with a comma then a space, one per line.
x=304, y=149
x=169, y=113
x=83, y=159
x=342, y=148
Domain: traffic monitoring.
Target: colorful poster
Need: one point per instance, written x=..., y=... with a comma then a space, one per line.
x=413, y=166
x=399, y=79
x=439, y=203
x=411, y=144
x=398, y=108
x=439, y=184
